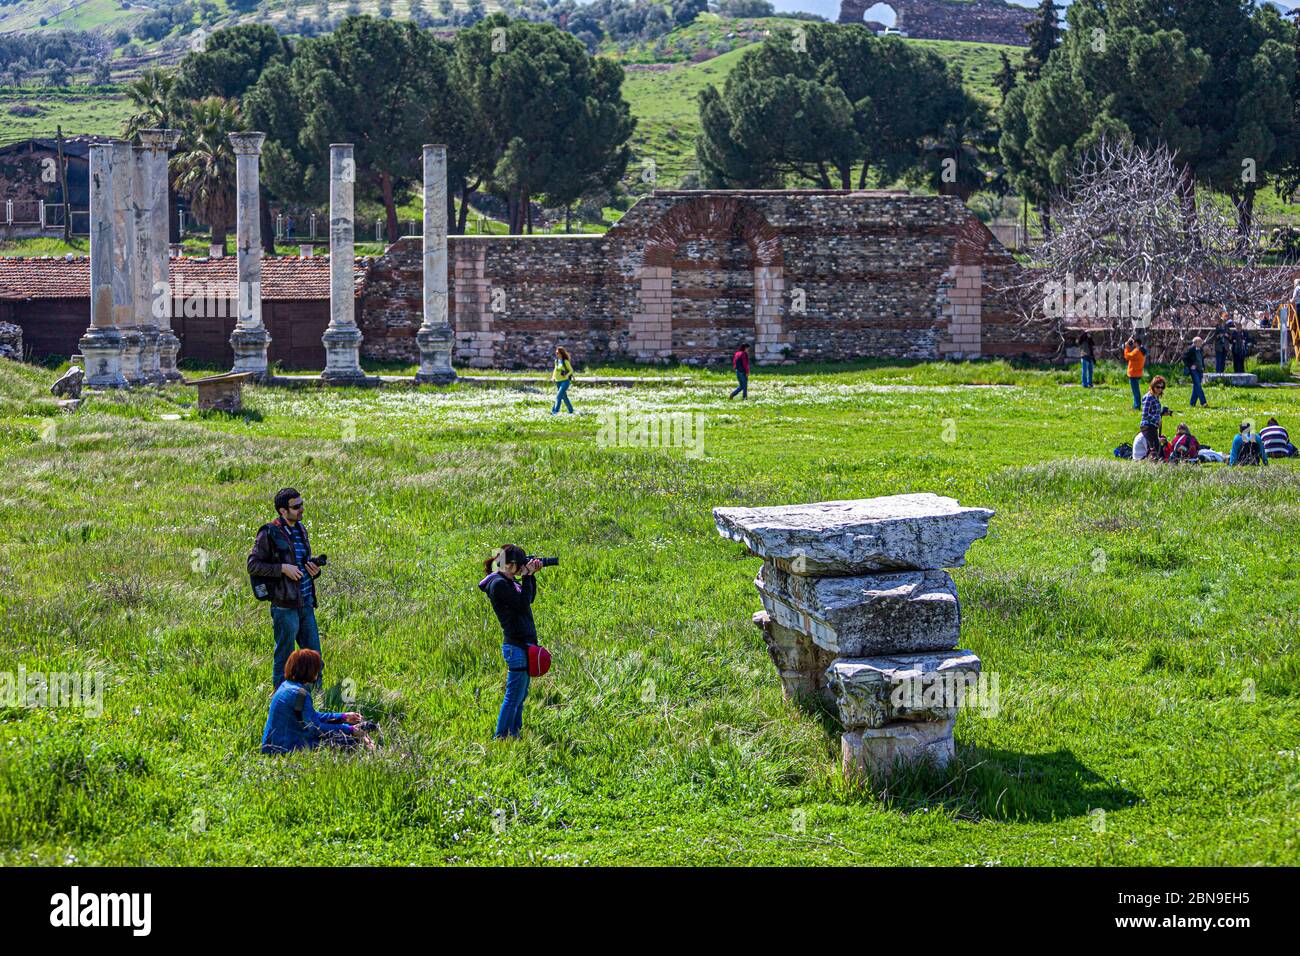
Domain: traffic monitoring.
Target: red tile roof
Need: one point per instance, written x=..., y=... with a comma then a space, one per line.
x=283, y=277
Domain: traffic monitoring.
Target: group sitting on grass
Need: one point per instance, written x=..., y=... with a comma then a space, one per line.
x=1248, y=447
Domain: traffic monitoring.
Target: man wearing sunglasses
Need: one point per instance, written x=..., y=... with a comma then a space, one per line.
x=281, y=555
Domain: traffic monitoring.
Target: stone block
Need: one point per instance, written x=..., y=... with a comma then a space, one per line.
x=875, y=751
x=800, y=664
x=892, y=533
x=865, y=614
x=876, y=691
x=1243, y=379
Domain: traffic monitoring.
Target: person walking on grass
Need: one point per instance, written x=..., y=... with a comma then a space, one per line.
x=282, y=556
x=1087, y=358
x=1153, y=411
x=512, y=602
x=740, y=363
x=562, y=375
x=1137, y=360
x=1194, y=362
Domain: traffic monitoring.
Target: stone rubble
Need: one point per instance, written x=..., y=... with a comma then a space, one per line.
x=860, y=615
x=69, y=383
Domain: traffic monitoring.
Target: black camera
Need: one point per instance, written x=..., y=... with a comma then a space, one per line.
x=319, y=560
x=367, y=725
x=546, y=562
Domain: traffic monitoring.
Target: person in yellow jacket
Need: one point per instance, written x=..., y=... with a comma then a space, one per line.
x=562, y=376
x=1137, y=360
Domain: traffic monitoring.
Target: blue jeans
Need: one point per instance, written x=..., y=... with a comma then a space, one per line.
x=1197, y=391
x=292, y=625
x=1085, y=372
x=511, y=719
x=1136, y=384
x=562, y=395
x=743, y=388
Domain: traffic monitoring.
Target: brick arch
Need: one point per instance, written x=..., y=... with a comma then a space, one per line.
x=715, y=218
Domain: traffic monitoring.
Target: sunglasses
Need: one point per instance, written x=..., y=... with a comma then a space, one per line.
x=298, y=507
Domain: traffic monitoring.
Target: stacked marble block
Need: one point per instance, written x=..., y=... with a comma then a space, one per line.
x=860, y=612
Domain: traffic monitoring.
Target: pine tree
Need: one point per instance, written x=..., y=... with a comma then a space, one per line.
x=1044, y=37
x=1005, y=78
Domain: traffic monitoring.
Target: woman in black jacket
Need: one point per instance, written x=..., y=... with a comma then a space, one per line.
x=512, y=600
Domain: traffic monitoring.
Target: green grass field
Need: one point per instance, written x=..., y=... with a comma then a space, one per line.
x=1141, y=620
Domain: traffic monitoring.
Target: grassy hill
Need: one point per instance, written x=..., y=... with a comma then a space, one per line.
x=663, y=98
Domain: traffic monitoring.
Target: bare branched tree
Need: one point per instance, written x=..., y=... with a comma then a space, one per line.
x=1125, y=252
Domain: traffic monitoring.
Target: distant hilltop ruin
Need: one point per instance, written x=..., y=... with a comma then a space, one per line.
x=982, y=21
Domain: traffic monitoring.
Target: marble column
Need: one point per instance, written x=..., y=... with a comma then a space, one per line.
x=125, y=312
x=142, y=199
x=158, y=143
x=101, y=346
x=342, y=340
x=250, y=339
x=434, y=336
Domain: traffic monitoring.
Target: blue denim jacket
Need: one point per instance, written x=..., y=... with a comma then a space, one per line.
x=286, y=730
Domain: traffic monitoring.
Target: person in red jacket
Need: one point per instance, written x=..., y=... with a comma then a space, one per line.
x=740, y=362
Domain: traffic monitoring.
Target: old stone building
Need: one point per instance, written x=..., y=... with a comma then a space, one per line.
x=803, y=275
x=981, y=21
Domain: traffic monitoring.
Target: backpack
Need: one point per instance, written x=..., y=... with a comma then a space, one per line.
x=1124, y=451
x=1250, y=452
x=262, y=586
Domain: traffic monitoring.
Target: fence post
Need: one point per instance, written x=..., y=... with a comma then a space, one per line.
x=40, y=212
x=9, y=212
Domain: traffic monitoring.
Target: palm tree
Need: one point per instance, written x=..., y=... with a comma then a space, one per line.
x=205, y=171
x=154, y=106
x=966, y=143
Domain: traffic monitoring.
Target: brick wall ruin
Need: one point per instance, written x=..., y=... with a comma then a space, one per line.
x=981, y=21
x=808, y=275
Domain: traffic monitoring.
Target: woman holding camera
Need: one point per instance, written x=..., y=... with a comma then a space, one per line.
x=511, y=587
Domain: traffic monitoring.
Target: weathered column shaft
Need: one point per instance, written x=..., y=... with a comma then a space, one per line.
x=142, y=200
x=435, y=237
x=125, y=313
x=250, y=340
x=435, y=337
x=160, y=142
x=342, y=340
x=101, y=346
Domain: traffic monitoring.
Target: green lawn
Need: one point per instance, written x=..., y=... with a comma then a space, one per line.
x=1141, y=620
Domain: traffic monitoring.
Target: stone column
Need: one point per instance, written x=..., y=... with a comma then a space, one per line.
x=859, y=611
x=434, y=337
x=101, y=346
x=142, y=265
x=250, y=339
x=342, y=340
x=158, y=143
x=125, y=312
